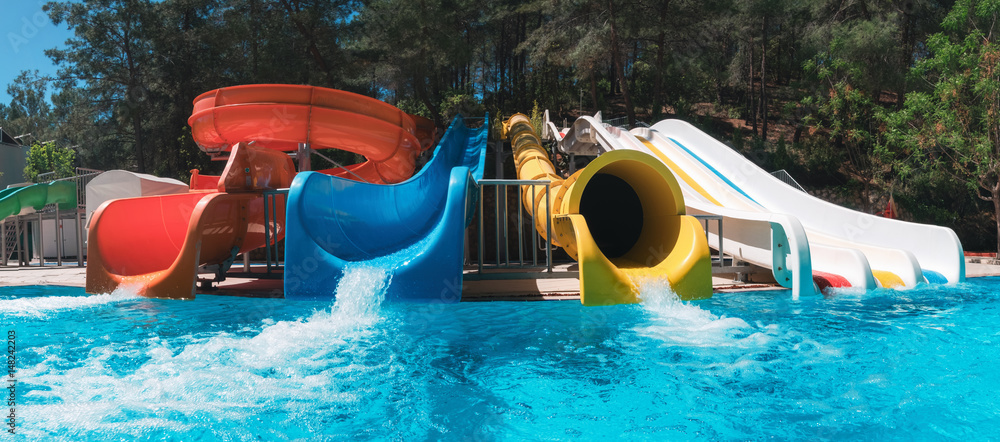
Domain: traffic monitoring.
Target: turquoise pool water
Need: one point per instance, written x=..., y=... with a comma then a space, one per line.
x=883, y=365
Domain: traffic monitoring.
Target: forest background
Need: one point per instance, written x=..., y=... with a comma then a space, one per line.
x=858, y=100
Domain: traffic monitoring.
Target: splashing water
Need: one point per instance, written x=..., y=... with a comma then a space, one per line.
x=158, y=384
x=360, y=291
x=675, y=321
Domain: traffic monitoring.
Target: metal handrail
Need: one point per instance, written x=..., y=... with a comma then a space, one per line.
x=505, y=262
x=784, y=177
x=82, y=177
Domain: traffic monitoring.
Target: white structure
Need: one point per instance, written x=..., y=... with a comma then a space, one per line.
x=116, y=184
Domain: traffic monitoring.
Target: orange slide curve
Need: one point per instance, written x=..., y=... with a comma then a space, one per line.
x=282, y=116
x=156, y=244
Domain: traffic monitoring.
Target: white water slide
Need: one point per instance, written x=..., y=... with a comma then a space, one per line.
x=768, y=223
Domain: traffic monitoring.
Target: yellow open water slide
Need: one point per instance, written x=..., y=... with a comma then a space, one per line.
x=622, y=218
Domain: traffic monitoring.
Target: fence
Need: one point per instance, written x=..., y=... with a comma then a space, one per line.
x=82, y=177
x=507, y=265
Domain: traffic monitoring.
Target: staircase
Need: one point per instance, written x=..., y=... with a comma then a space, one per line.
x=9, y=241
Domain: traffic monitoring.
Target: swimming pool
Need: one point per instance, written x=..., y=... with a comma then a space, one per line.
x=879, y=365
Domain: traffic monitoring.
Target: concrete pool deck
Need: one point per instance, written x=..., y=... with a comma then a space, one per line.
x=554, y=288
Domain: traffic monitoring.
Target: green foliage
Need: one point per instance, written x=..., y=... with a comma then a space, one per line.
x=47, y=157
x=465, y=104
x=413, y=107
x=29, y=111
x=951, y=130
x=537, y=119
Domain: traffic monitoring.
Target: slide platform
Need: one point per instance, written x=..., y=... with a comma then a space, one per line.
x=414, y=228
x=622, y=218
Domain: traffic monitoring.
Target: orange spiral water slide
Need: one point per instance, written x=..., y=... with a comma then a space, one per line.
x=282, y=116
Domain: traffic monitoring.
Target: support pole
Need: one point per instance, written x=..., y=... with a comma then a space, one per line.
x=59, y=239
x=3, y=242
x=79, y=239
x=41, y=242
x=17, y=242
x=303, y=156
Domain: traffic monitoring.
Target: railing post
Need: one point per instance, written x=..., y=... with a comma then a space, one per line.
x=41, y=242
x=267, y=231
x=722, y=257
x=548, y=227
x=79, y=239
x=482, y=235
x=17, y=240
x=59, y=238
x=3, y=242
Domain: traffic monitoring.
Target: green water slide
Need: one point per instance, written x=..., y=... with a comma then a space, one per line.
x=36, y=196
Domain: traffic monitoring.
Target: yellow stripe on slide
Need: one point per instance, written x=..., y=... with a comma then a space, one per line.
x=888, y=279
x=680, y=172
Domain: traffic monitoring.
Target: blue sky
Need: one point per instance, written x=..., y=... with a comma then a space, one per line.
x=26, y=33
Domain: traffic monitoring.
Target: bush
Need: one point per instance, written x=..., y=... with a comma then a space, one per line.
x=47, y=157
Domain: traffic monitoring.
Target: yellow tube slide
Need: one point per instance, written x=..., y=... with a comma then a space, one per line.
x=622, y=218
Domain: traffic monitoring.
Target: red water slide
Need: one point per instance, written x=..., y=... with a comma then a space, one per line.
x=156, y=244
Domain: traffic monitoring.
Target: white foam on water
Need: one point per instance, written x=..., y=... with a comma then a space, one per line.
x=288, y=367
x=674, y=321
x=41, y=306
x=728, y=346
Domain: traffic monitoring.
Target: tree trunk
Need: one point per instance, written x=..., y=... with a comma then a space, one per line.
x=752, y=104
x=133, y=99
x=661, y=39
x=140, y=154
x=254, y=40
x=593, y=93
x=620, y=65
x=763, y=79
x=420, y=87
x=906, y=46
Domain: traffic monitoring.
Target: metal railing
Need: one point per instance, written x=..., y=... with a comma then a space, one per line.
x=623, y=122
x=784, y=177
x=271, y=211
x=505, y=263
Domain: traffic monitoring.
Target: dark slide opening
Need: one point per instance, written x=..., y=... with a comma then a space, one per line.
x=613, y=213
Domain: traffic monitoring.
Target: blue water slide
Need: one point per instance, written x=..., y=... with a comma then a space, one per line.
x=414, y=229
